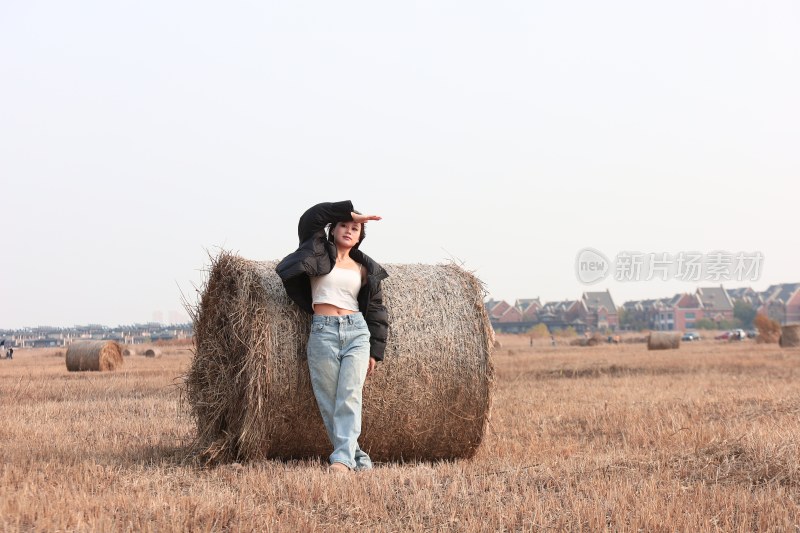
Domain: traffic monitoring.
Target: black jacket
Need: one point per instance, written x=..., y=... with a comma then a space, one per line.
x=316, y=256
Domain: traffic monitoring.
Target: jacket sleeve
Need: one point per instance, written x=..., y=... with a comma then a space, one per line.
x=320, y=215
x=378, y=325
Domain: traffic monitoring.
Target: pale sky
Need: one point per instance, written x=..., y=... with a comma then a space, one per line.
x=137, y=137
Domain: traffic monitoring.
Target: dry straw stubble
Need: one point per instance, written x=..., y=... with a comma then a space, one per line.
x=249, y=389
x=93, y=355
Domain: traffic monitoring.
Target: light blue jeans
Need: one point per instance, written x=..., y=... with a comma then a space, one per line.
x=338, y=358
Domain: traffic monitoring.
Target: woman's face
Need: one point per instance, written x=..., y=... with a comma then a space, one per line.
x=347, y=234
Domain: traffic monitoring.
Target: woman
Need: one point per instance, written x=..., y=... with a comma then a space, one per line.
x=331, y=279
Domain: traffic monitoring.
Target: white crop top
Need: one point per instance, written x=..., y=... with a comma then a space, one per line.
x=339, y=287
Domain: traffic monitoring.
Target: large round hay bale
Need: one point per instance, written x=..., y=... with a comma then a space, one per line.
x=152, y=352
x=93, y=355
x=249, y=388
x=663, y=340
x=790, y=336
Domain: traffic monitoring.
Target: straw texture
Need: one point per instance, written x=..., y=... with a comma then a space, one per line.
x=249, y=389
x=93, y=355
x=790, y=336
x=663, y=340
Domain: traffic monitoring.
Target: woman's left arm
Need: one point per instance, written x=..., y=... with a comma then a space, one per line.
x=318, y=216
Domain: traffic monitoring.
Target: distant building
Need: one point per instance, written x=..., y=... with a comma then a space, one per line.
x=564, y=314
x=496, y=308
x=681, y=312
x=782, y=302
x=717, y=305
x=746, y=295
x=687, y=310
x=602, y=313
x=596, y=311
x=45, y=336
x=44, y=343
x=530, y=308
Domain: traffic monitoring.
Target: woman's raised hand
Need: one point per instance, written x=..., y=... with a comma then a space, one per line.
x=363, y=218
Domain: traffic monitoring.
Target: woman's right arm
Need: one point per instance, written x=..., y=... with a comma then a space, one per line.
x=320, y=215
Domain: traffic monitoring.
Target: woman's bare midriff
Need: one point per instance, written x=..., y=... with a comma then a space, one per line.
x=331, y=310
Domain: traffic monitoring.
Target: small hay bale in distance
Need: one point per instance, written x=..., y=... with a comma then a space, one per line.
x=128, y=351
x=790, y=336
x=594, y=340
x=249, y=389
x=93, y=355
x=663, y=340
x=152, y=352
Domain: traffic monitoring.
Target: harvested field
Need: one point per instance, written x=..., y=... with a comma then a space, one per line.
x=610, y=438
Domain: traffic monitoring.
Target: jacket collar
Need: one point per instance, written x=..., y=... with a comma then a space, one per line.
x=373, y=268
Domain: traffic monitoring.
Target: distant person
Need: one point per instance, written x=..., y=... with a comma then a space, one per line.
x=10, y=353
x=552, y=339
